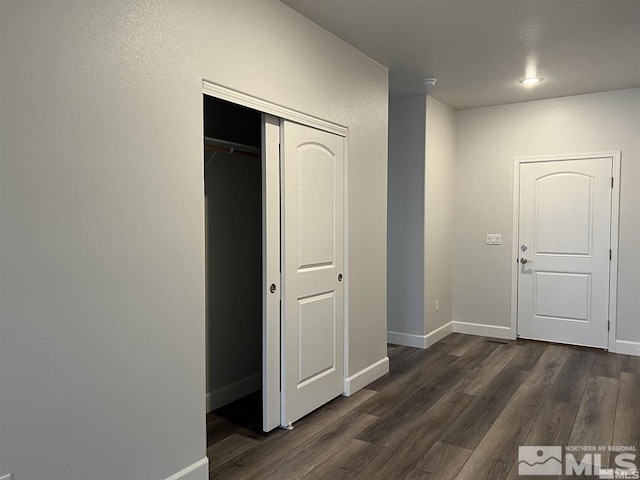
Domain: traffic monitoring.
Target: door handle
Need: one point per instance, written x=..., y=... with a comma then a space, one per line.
x=524, y=261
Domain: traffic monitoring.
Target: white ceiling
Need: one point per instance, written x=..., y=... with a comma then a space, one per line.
x=479, y=49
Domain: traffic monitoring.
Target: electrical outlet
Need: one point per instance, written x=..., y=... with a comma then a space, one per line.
x=494, y=239
x=437, y=307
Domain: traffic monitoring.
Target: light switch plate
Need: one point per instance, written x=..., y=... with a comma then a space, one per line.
x=494, y=239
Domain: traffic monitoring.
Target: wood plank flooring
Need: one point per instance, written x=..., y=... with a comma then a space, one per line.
x=456, y=411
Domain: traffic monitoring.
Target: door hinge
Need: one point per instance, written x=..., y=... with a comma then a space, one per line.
x=611, y=182
x=608, y=325
x=610, y=254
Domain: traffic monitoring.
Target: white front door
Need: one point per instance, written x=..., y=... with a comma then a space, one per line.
x=564, y=251
x=312, y=254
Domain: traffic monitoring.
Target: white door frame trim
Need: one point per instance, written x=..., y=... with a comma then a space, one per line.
x=239, y=98
x=264, y=106
x=615, y=218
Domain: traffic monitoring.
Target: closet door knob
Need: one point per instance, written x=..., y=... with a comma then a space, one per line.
x=272, y=288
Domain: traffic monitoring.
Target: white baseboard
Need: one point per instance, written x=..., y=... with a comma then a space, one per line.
x=439, y=333
x=196, y=471
x=365, y=376
x=626, y=347
x=229, y=393
x=407, y=339
x=420, y=341
x=483, y=330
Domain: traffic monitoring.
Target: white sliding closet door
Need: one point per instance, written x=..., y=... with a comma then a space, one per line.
x=312, y=202
x=271, y=272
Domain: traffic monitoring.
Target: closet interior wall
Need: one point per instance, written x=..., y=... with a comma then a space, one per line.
x=233, y=230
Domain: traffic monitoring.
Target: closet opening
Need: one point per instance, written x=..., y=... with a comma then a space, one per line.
x=233, y=258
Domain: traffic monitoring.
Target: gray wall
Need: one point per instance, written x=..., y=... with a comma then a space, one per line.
x=421, y=200
x=439, y=214
x=487, y=141
x=102, y=346
x=407, y=117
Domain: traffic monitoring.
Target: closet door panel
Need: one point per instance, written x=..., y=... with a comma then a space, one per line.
x=271, y=407
x=312, y=202
x=315, y=206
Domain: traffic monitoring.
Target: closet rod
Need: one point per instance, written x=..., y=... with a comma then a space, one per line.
x=224, y=146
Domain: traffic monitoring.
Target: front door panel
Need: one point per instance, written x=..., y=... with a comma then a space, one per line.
x=564, y=237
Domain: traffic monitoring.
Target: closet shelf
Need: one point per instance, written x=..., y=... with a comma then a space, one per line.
x=224, y=146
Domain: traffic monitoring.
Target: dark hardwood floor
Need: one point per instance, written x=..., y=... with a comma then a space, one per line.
x=457, y=411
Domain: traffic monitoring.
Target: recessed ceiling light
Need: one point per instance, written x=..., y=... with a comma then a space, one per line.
x=530, y=80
